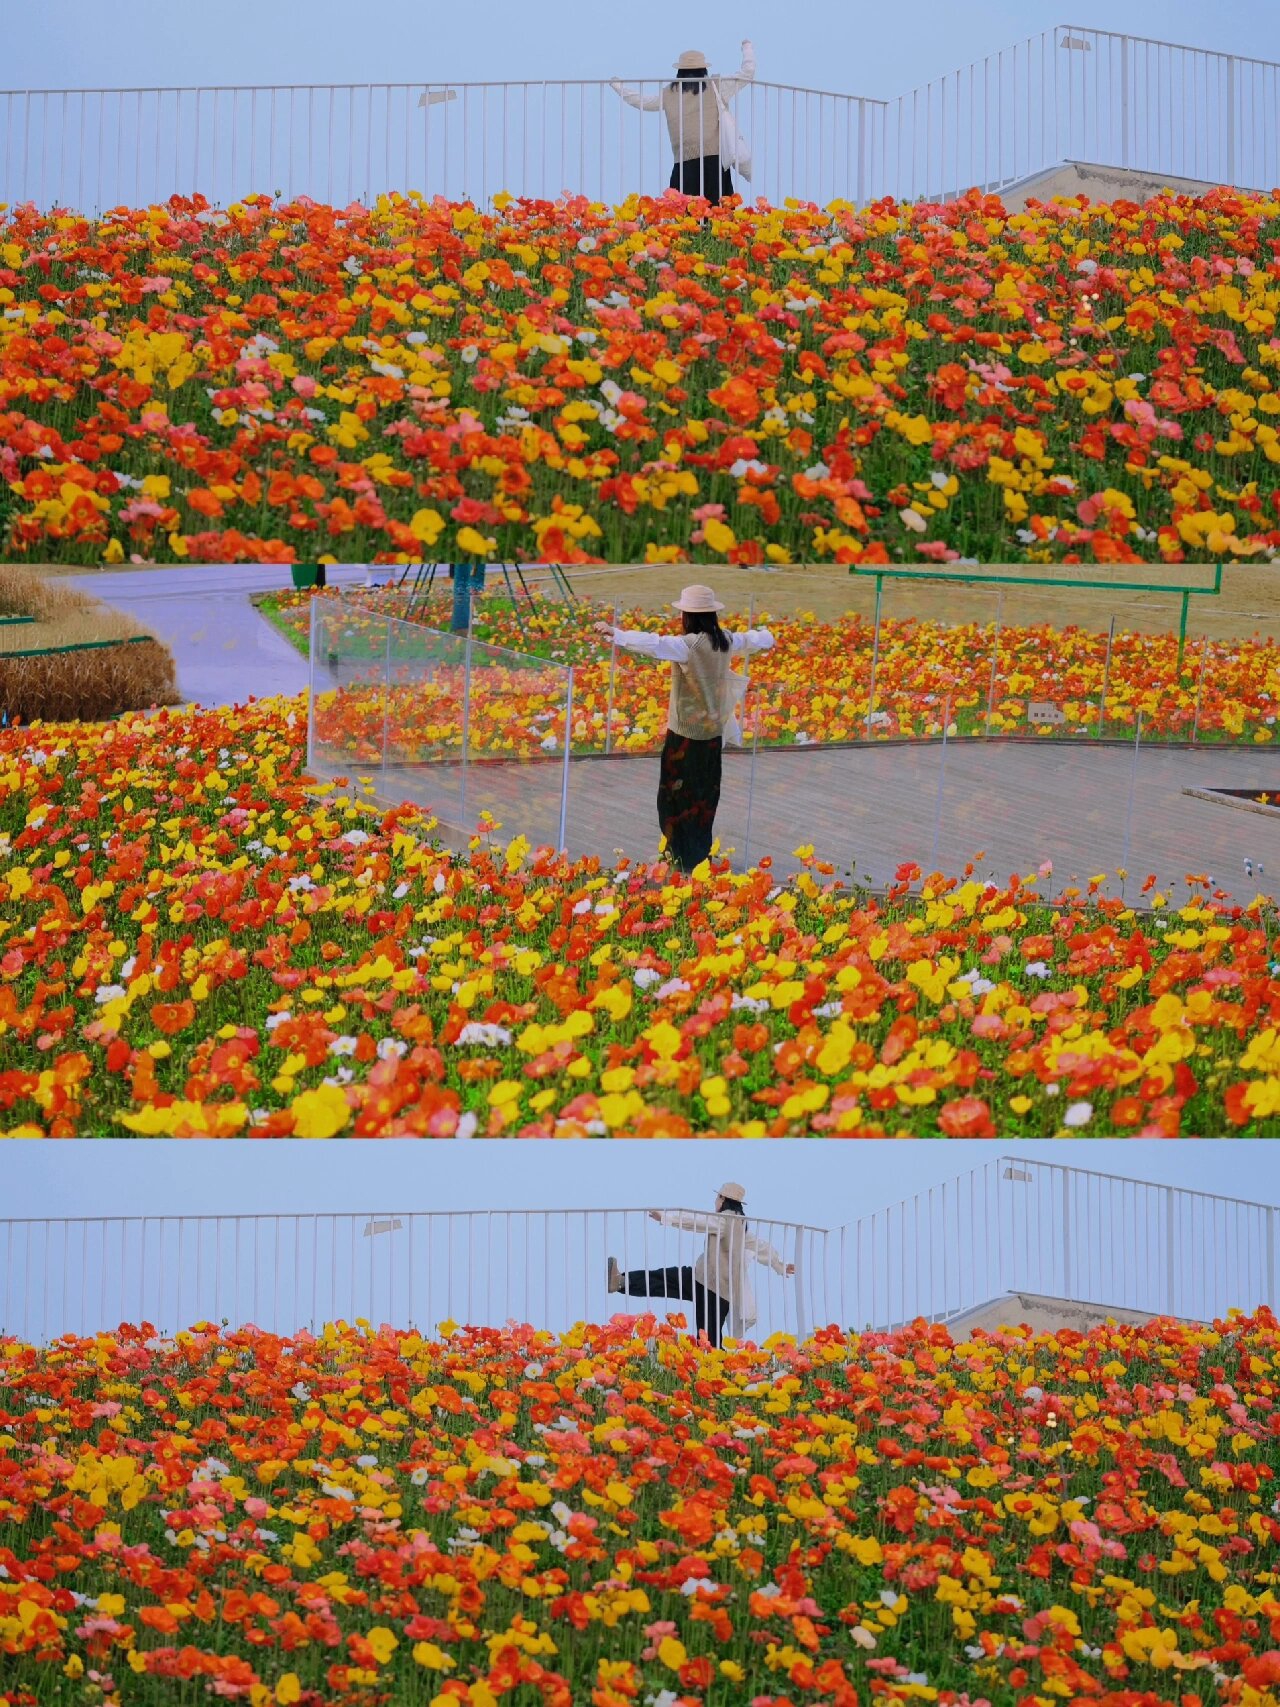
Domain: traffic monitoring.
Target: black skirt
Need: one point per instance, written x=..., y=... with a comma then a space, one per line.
x=688, y=795
x=710, y=1310
x=705, y=177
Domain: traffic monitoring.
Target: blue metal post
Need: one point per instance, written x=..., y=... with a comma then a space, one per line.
x=467, y=578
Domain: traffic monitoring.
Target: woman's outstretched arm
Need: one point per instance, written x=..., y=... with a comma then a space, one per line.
x=669, y=648
x=687, y=1220
x=634, y=97
x=751, y=640
x=764, y=1252
x=731, y=86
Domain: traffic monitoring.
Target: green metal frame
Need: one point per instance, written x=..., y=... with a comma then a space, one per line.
x=424, y=578
x=883, y=575
x=78, y=646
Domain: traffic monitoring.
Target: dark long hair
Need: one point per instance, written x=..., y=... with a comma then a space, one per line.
x=706, y=622
x=731, y=1206
x=699, y=77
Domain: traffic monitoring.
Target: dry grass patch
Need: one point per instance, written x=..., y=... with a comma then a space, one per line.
x=61, y=615
x=1248, y=604
x=88, y=684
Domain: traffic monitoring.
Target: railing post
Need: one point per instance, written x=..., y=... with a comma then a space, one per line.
x=1124, y=100
x=1171, y=1262
x=1067, y=1266
x=1231, y=121
x=1273, y=1275
x=802, y=1323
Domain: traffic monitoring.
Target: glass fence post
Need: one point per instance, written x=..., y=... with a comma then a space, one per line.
x=313, y=646
x=1106, y=681
x=755, y=741
x=942, y=780
x=995, y=660
x=1204, y=659
x=613, y=674
x=386, y=699
x=1128, y=813
x=466, y=732
x=751, y=779
x=568, y=748
x=875, y=655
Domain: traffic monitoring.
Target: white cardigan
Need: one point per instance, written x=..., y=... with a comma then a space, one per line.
x=728, y=86
x=722, y=1267
x=674, y=648
x=705, y=693
x=693, y=114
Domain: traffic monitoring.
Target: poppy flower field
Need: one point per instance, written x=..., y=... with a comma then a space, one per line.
x=813, y=686
x=656, y=382
x=195, y=942
x=620, y=1515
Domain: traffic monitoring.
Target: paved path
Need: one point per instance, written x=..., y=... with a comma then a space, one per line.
x=872, y=808
x=223, y=649
x=869, y=809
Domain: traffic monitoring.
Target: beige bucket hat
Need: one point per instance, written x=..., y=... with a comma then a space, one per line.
x=696, y=599
x=691, y=60
x=737, y=1193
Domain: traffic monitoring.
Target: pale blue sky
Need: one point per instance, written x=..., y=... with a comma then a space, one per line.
x=851, y=48
x=823, y=1184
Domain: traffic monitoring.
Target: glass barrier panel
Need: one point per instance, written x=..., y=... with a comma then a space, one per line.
x=1235, y=698
x=933, y=641
x=349, y=688
x=426, y=717
x=854, y=809
x=517, y=730
x=1201, y=822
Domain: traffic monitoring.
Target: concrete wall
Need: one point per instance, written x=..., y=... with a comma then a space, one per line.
x=1099, y=183
x=1041, y=1315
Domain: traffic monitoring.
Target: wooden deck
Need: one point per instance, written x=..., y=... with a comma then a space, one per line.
x=868, y=809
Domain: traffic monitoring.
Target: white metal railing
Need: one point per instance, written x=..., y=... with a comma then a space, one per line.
x=1096, y=96
x=94, y=149
x=1021, y=1225
x=1010, y=1225
x=286, y=1272
x=1068, y=93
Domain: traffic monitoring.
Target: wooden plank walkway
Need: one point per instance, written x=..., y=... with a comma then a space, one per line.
x=868, y=809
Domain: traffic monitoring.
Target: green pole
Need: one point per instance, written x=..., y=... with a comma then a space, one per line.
x=1182, y=629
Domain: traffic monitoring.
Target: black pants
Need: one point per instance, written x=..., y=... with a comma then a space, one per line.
x=704, y=177
x=688, y=795
x=709, y=1308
